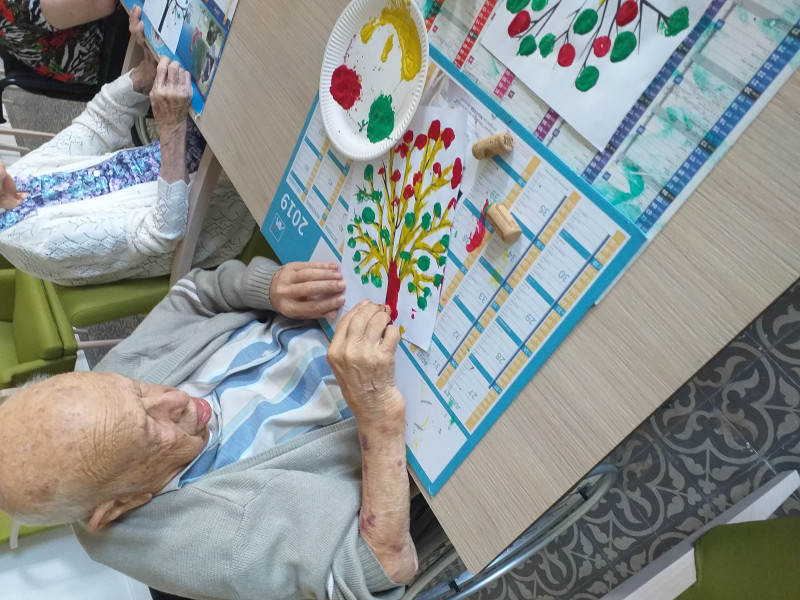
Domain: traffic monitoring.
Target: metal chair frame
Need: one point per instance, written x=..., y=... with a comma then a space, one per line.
x=563, y=515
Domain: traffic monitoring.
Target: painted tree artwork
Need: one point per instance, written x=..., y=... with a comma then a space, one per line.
x=400, y=219
x=589, y=60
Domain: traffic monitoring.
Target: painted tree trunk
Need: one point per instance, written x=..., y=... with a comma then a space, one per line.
x=393, y=289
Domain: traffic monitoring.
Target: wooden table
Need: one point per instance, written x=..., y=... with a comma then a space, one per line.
x=726, y=255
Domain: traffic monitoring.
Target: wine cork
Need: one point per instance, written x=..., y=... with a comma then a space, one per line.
x=503, y=223
x=500, y=143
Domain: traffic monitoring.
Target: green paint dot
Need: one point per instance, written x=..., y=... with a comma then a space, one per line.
x=587, y=78
x=585, y=22
x=385, y=234
x=546, y=44
x=364, y=279
x=514, y=6
x=351, y=243
x=368, y=215
x=677, y=22
x=624, y=44
x=357, y=256
x=442, y=260
x=422, y=302
x=409, y=220
x=368, y=172
x=437, y=209
x=445, y=241
x=411, y=287
x=381, y=119
x=437, y=280
x=404, y=255
x=424, y=262
x=350, y=229
x=357, y=269
x=426, y=291
x=538, y=4
x=527, y=46
x=426, y=221
x=377, y=195
x=376, y=280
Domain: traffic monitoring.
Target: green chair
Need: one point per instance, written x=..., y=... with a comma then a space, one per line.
x=91, y=304
x=9, y=531
x=35, y=336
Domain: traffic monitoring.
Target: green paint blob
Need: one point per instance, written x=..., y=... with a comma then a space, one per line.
x=546, y=45
x=424, y=262
x=442, y=260
x=587, y=79
x=350, y=229
x=381, y=119
x=364, y=279
x=357, y=256
x=376, y=280
x=426, y=221
x=437, y=280
x=514, y=6
x=538, y=4
x=404, y=255
x=422, y=302
x=527, y=46
x=437, y=209
x=445, y=241
x=368, y=215
x=385, y=234
x=585, y=22
x=368, y=172
x=624, y=44
x=351, y=243
x=409, y=220
x=411, y=287
x=676, y=22
x=426, y=291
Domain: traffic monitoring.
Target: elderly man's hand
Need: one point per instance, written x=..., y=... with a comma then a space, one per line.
x=307, y=290
x=145, y=72
x=171, y=95
x=361, y=356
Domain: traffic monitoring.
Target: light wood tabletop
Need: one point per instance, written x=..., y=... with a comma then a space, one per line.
x=726, y=255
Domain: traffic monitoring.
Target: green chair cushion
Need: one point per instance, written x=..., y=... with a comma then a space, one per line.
x=5, y=529
x=7, y=294
x=91, y=304
x=35, y=333
x=748, y=561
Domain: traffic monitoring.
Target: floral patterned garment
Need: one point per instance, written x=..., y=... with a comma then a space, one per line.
x=69, y=55
x=125, y=169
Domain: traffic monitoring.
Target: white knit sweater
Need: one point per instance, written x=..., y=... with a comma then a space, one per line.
x=130, y=233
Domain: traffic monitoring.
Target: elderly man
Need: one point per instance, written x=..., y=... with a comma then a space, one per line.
x=85, y=208
x=212, y=454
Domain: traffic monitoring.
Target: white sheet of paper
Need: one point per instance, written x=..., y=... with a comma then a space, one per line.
x=411, y=237
x=167, y=17
x=597, y=112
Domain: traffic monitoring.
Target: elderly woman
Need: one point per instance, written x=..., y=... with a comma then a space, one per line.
x=79, y=210
x=61, y=39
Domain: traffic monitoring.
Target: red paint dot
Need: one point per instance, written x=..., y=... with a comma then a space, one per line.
x=566, y=55
x=627, y=12
x=601, y=46
x=345, y=86
x=520, y=22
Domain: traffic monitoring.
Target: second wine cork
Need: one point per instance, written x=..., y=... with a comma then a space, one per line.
x=503, y=223
x=500, y=143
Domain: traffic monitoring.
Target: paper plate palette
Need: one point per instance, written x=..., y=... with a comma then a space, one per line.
x=373, y=73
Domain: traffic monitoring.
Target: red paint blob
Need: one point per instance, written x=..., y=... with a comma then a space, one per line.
x=476, y=237
x=421, y=140
x=627, y=12
x=601, y=46
x=455, y=180
x=434, y=129
x=396, y=175
x=566, y=55
x=345, y=86
x=408, y=192
x=447, y=137
x=393, y=289
x=408, y=137
x=520, y=22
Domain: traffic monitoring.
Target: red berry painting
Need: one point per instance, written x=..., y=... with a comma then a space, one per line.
x=401, y=210
x=583, y=56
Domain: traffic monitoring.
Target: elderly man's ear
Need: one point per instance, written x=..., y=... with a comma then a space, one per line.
x=111, y=510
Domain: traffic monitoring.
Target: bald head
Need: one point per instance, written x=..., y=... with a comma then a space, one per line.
x=79, y=441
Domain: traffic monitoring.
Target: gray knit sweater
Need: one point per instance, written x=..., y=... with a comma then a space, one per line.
x=273, y=526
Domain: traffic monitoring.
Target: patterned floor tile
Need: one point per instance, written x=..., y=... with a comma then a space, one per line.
x=779, y=320
x=563, y=565
x=786, y=353
x=763, y=404
x=721, y=369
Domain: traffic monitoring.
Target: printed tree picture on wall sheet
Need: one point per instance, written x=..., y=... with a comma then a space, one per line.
x=399, y=229
x=589, y=59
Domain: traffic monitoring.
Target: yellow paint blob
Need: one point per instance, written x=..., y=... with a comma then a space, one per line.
x=387, y=47
x=398, y=14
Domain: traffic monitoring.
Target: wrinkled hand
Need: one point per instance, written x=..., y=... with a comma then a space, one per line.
x=171, y=95
x=145, y=72
x=307, y=290
x=361, y=356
